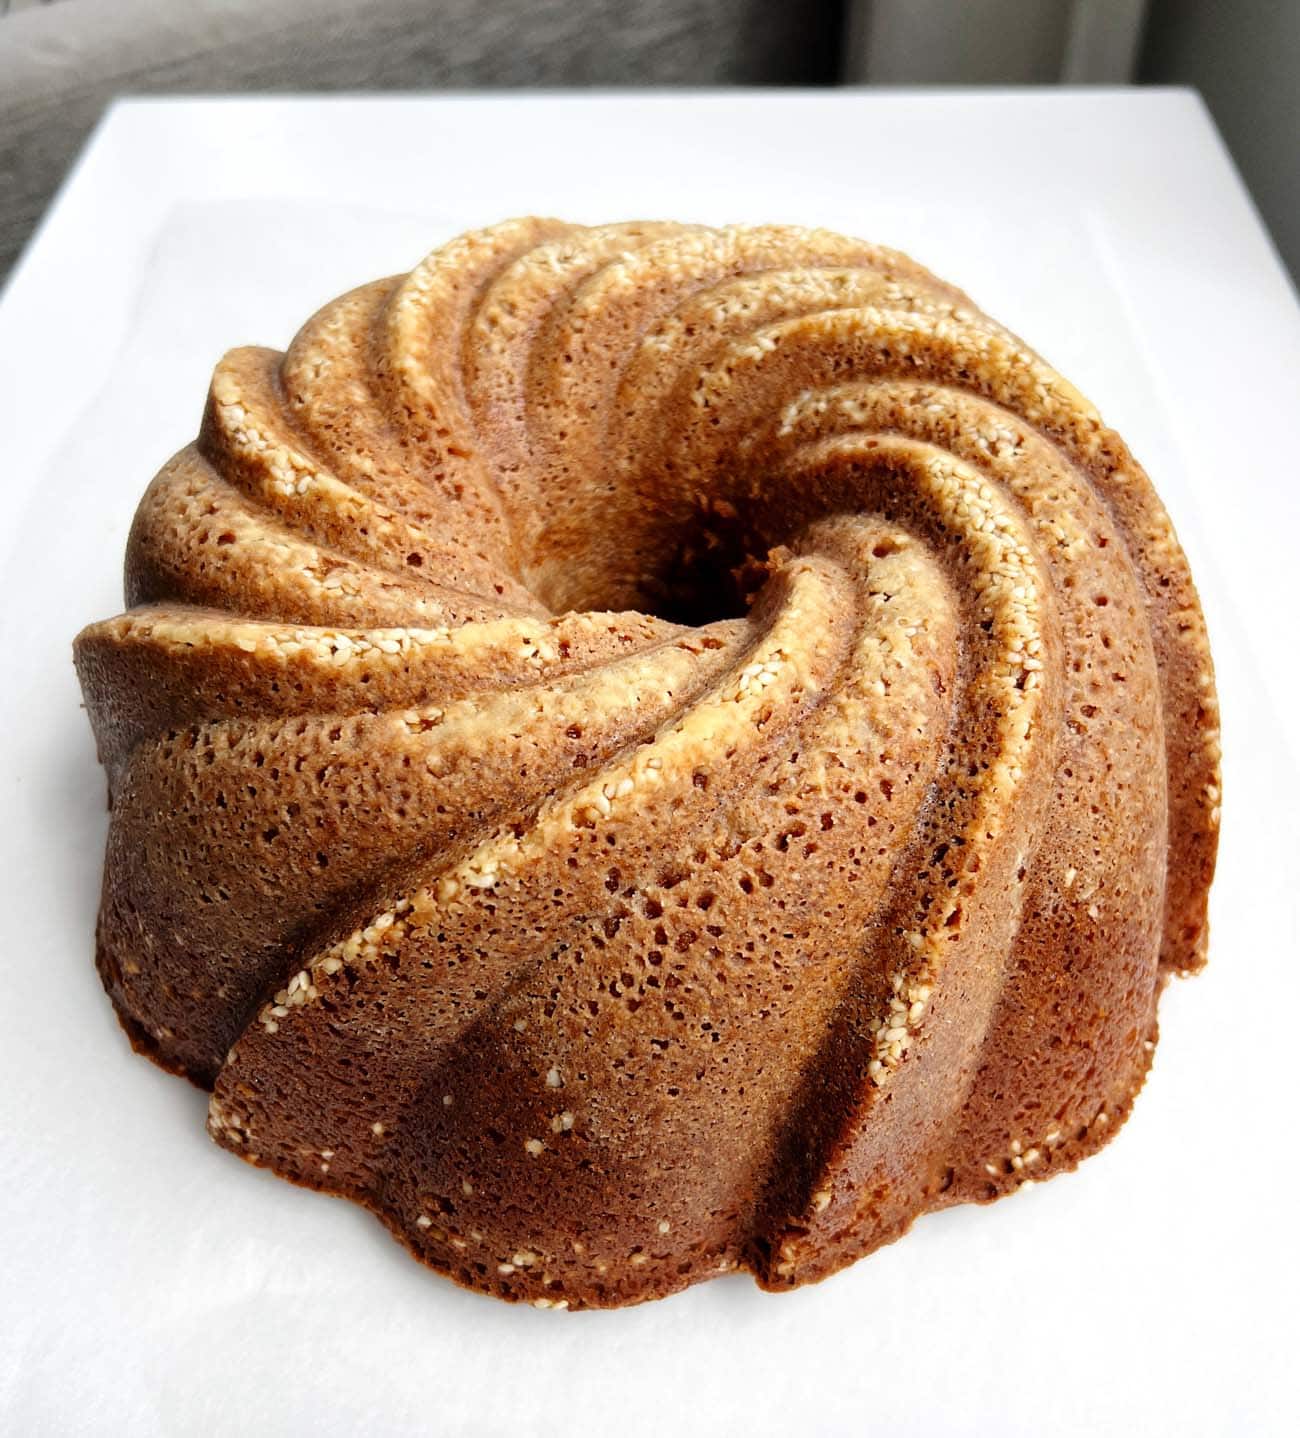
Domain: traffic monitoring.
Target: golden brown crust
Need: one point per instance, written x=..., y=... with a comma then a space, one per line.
x=650, y=750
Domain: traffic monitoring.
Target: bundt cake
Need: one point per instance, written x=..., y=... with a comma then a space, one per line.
x=643, y=751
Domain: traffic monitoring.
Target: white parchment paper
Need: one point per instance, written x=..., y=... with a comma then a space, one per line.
x=153, y=1284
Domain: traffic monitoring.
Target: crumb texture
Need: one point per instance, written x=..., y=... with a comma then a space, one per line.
x=643, y=751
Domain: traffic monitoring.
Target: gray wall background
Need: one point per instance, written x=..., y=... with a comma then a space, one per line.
x=993, y=42
x=1245, y=59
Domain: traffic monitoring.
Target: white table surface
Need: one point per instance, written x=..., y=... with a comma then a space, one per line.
x=149, y=1281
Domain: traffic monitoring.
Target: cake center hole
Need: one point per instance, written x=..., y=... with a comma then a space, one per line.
x=703, y=570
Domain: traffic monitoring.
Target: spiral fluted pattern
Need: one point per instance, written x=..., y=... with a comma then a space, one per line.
x=644, y=750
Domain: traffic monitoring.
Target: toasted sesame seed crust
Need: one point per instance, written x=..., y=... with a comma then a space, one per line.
x=647, y=751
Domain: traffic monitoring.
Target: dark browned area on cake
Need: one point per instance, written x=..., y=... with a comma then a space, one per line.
x=644, y=751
